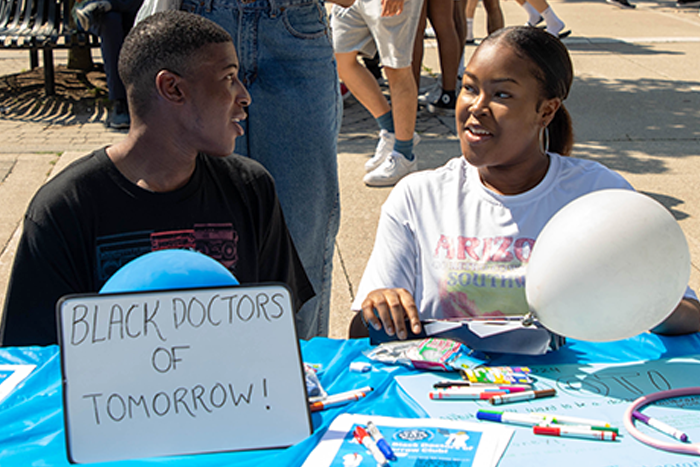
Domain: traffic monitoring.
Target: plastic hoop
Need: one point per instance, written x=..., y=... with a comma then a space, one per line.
x=692, y=449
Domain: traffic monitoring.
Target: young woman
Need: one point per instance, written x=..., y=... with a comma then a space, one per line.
x=455, y=241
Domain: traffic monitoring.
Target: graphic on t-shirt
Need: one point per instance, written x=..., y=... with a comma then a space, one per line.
x=217, y=240
x=115, y=251
x=482, y=276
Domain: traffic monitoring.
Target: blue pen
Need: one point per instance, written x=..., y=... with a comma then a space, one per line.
x=380, y=441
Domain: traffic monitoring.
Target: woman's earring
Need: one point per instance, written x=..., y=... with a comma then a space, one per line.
x=544, y=140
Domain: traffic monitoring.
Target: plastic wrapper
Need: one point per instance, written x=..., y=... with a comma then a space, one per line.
x=428, y=354
x=314, y=389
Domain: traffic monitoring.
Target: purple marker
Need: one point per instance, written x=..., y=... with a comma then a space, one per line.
x=661, y=426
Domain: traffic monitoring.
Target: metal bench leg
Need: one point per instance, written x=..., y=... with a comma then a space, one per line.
x=48, y=72
x=33, y=58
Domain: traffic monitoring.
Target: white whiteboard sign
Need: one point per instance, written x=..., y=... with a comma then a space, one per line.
x=181, y=372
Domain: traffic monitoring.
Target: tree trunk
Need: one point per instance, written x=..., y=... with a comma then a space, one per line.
x=79, y=58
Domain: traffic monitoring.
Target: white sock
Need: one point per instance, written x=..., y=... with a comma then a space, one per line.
x=554, y=24
x=533, y=15
x=460, y=69
x=470, y=29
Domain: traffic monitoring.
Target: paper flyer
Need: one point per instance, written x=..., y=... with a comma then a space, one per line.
x=414, y=441
x=11, y=376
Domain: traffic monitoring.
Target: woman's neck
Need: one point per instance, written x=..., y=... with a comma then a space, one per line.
x=514, y=180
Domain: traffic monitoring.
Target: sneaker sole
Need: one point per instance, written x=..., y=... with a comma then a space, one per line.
x=620, y=5
x=687, y=5
x=384, y=183
x=119, y=126
x=387, y=181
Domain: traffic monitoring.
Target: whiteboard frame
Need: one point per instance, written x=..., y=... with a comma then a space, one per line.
x=293, y=360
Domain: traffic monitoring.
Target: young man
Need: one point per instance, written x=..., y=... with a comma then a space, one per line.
x=169, y=184
x=388, y=26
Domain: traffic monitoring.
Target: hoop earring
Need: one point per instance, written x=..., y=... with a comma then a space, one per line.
x=544, y=140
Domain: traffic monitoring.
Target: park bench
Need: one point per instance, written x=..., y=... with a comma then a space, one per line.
x=41, y=24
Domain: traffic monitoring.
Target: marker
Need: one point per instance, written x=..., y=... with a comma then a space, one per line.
x=462, y=390
x=509, y=417
x=565, y=419
x=381, y=442
x=661, y=426
x=364, y=439
x=535, y=419
x=481, y=387
x=522, y=396
x=467, y=384
x=465, y=394
x=573, y=432
x=339, y=399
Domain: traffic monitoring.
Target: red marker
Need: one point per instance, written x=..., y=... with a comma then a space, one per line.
x=362, y=437
x=572, y=432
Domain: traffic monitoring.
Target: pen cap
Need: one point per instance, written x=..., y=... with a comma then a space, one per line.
x=490, y=416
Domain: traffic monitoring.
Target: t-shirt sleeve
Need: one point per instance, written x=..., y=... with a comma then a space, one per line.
x=394, y=259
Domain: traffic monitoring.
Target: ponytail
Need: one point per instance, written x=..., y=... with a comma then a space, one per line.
x=561, y=133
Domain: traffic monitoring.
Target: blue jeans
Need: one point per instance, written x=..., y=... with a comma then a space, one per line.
x=287, y=64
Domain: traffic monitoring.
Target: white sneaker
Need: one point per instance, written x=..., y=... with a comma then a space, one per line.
x=384, y=147
x=393, y=169
x=431, y=94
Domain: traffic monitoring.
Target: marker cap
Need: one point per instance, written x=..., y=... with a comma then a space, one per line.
x=490, y=416
x=546, y=430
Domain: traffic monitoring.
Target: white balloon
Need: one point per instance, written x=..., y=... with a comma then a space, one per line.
x=607, y=266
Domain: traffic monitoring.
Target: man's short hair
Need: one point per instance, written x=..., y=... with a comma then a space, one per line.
x=167, y=40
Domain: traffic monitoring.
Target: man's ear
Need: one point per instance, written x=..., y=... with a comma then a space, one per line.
x=169, y=86
x=549, y=108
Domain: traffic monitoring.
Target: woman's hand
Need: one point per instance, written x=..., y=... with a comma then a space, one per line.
x=392, y=7
x=393, y=307
x=343, y=3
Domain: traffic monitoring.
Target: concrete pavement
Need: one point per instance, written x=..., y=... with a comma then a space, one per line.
x=635, y=105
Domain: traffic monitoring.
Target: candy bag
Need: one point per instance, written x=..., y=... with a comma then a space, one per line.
x=427, y=354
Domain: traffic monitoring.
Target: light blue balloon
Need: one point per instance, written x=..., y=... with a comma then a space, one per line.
x=169, y=269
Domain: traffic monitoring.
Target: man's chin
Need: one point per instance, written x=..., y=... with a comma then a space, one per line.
x=222, y=151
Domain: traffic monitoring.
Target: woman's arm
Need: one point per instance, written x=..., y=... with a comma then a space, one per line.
x=394, y=307
x=684, y=319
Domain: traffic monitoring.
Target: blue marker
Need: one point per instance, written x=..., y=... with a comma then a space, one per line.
x=381, y=442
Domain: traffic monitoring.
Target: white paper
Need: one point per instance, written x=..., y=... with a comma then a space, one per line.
x=437, y=327
x=492, y=328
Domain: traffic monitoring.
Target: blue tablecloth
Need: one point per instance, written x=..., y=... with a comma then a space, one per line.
x=31, y=418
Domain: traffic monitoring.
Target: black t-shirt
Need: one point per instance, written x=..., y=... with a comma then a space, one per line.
x=87, y=222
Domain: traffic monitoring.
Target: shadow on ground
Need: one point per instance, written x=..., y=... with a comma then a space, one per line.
x=81, y=97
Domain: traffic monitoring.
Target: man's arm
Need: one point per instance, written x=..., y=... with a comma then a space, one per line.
x=684, y=319
x=41, y=274
x=278, y=258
